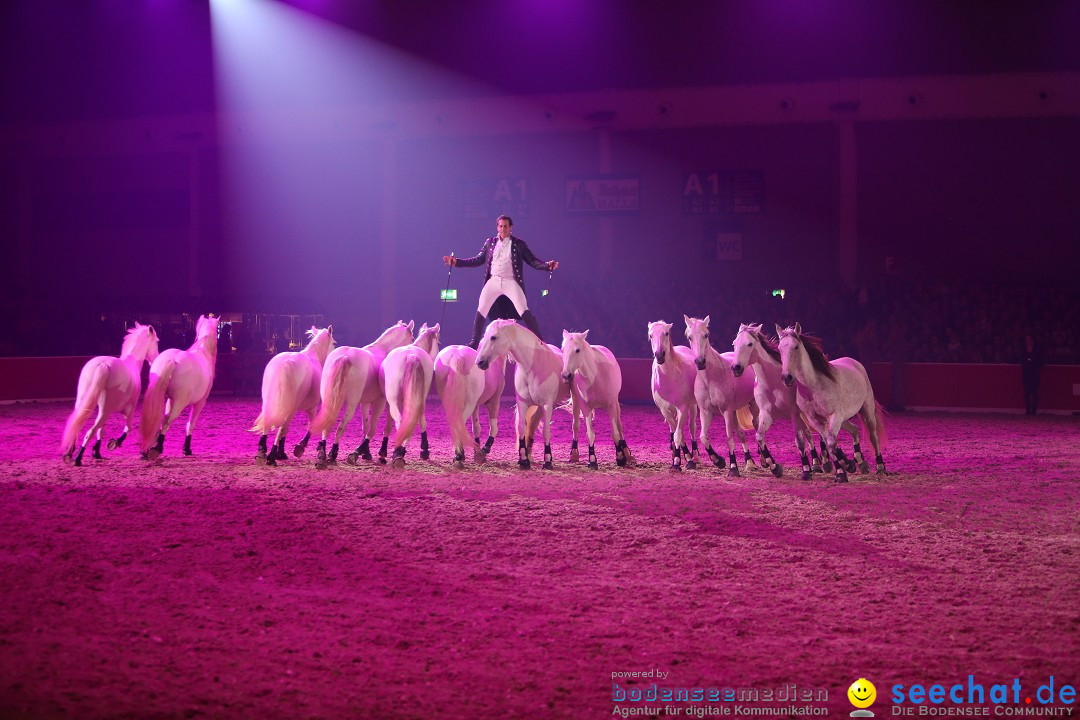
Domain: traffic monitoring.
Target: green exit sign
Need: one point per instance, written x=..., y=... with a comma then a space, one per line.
x=448, y=295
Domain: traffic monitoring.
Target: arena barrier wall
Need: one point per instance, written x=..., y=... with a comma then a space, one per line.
x=917, y=386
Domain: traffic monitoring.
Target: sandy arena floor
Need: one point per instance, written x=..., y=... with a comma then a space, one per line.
x=211, y=587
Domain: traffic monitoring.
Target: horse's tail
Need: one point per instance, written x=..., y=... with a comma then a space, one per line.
x=454, y=393
x=87, y=398
x=334, y=382
x=746, y=418
x=413, y=398
x=275, y=402
x=153, y=407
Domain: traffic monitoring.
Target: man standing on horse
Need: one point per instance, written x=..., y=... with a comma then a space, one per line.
x=503, y=295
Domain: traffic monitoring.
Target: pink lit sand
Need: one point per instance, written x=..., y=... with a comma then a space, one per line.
x=211, y=587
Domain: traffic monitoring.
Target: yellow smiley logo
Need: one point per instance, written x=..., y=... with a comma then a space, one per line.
x=862, y=693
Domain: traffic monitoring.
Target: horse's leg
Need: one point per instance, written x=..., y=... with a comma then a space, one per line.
x=520, y=426
x=764, y=423
x=369, y=414
x=675, y=418
x=549, y=459
x=802, y=439
x=826, y=456
x=129, y=420
x=575, y=428
x=833, y=430
x=703, y=436
x=870, y=419
x=755, y=414
x=425, y=450
x=196, y=410
x=278, y=451
x=172, y=411
x=99, y=423
x=590, y=433
x=731, y=426
x=623, y=456
x=690, y=421
x=261, y=457
x=96, y=454
x=857, y=461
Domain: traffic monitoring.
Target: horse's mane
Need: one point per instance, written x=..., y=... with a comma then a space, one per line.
x=135, y=337
x=768, y=345
x=818, y=359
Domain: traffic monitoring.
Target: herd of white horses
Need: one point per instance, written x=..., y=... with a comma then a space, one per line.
x=761, y=380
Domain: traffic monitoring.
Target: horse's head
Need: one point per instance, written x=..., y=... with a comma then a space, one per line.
x=428, y=339
x=322, y=341
x=660, y=340
x=206, y=332
x=575, y=353
x=141, y=341
x=697, y=332
x=744, y=346
x=791, y=350
x=496, y=342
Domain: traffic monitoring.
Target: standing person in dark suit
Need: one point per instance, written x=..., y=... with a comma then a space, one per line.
x=503, y=295
x=1031, y=363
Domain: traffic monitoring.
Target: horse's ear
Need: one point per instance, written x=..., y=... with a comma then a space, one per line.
x=706, y=321
x=410, y=325
x=798, y=329
x=436, y=328
x=565, y=333
x=755, y=328
x=584, y=334
x=779, y=331
x=686, y=319
x=330, y=329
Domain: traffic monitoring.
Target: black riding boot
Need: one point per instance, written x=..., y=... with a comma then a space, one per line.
x=529, y=321
x=477, y=331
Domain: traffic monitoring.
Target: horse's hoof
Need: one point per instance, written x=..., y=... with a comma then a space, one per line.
x=78, y=462
x=807, y=475
x=458, y=464
x=733, y=471
x=112, y=445
x=881, y=472
x=594, y=466
x=320, y=464
x=718, y=462
x=524, y=464
x=425, y=454
x=382, y=460
x=620, y=461
x=153, y=454
x=841, y=477
x=864, y=468
x=574, y=455
x=271, y=461
x=352, y=458
x=398, y=463
x=825, y=467
x=548, y=465
x=691, y=465
x=777, y=471
x=851, y=466
x=366, y=456
x=298, y=450
x=676, y=468
x=478, y=456
x=187, y=451
x=68, y=458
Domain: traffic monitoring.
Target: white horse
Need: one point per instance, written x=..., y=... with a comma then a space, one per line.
x=405, y=377
x=775, y=400
x=178, y=378
x=290, y=385
x=113, y=385
x=537, y=379
x=595, y=379
x=350, y=378
x=718, y=391
x=463, y=388
x=673, y=376
x=829, y=393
